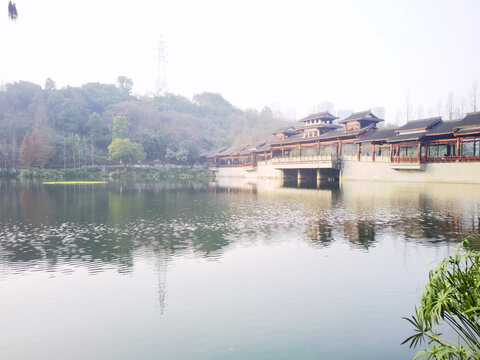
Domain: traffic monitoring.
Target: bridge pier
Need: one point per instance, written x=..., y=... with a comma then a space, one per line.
x=289, y=174
x=308, y=176
x=327, y=175
x=304, y=175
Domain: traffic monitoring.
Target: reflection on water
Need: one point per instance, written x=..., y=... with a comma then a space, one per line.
x=103, y=225
x=58, y=229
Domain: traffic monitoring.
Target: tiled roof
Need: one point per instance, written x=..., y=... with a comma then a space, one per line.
x=216, y=152
x=406, y=137
x=293, y=138
x=288, y=129
x=363, y=115
x=471, y=119
x=233, y=150
x=379, y=135
x=318, y=126
x=443, y=128
x=468, y=130
x=263, y=148
x=339, y=133
x=321, y=115
x=419, y=124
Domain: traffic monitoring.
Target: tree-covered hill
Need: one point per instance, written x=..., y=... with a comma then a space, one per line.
x=73, y=126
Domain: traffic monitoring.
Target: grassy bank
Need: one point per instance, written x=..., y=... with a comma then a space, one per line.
x=129, y=173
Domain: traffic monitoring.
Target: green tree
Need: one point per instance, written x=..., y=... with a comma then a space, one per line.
x=153, y=144
x=100, y=95
x=214, y=101
x=65, y=114
x=20, y=95
x=451, y=298
x=120, y=127
x=170, y=155
x=95, y=132
x=125, y=85
x=182, y=156
x=95, y=127
x=191, y=150
x=126, y=151
x=50, y=85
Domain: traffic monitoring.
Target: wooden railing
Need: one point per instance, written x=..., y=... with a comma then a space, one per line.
x=334, y=157
x=249, y=164
x=462, y=158
x=366, y=157
x=382, y=159
x=305, y=159
x=405, y=159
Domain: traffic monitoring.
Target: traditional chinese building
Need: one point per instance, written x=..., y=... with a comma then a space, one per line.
x=332, y=148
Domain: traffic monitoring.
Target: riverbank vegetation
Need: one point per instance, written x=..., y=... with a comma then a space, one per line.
x=450, y=299
x=104, y=124
x=118, y=173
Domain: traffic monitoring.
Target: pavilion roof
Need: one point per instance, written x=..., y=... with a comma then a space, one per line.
x=233, y=150
x=338, y=133
x=332, y=134
x=320, y=115
x=443, y=128
x=379, y=135
x=293, y=138
x=286, y=130
x=468, y=130
x=472, y=119
x=406, y=137
x=320, y=126
x=362, y=115
x=421, y=124
x=264, y=147
x=214, y=152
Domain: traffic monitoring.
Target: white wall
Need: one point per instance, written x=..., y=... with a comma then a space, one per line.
x=377, y=171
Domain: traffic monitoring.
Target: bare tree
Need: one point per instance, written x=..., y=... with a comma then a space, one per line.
x=408, y=108
x=398, y=116
x=420, y=112
x=474, y=95
x=461, y=112
x=439, y=108
x=450, y=105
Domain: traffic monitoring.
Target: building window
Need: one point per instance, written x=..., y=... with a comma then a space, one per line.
x=327, y=149
x=441, y=150
x=409, y=151
x=384, y=152
x=471, y=148
x=310, y=151
x=366, y=150
x=349, y=149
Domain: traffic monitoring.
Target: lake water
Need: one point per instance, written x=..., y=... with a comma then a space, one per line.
x=220, y=271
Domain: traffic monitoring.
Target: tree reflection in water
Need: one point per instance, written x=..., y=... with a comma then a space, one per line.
x=98, y=225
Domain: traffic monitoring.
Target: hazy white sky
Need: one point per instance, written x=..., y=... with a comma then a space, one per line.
x=356, y=54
